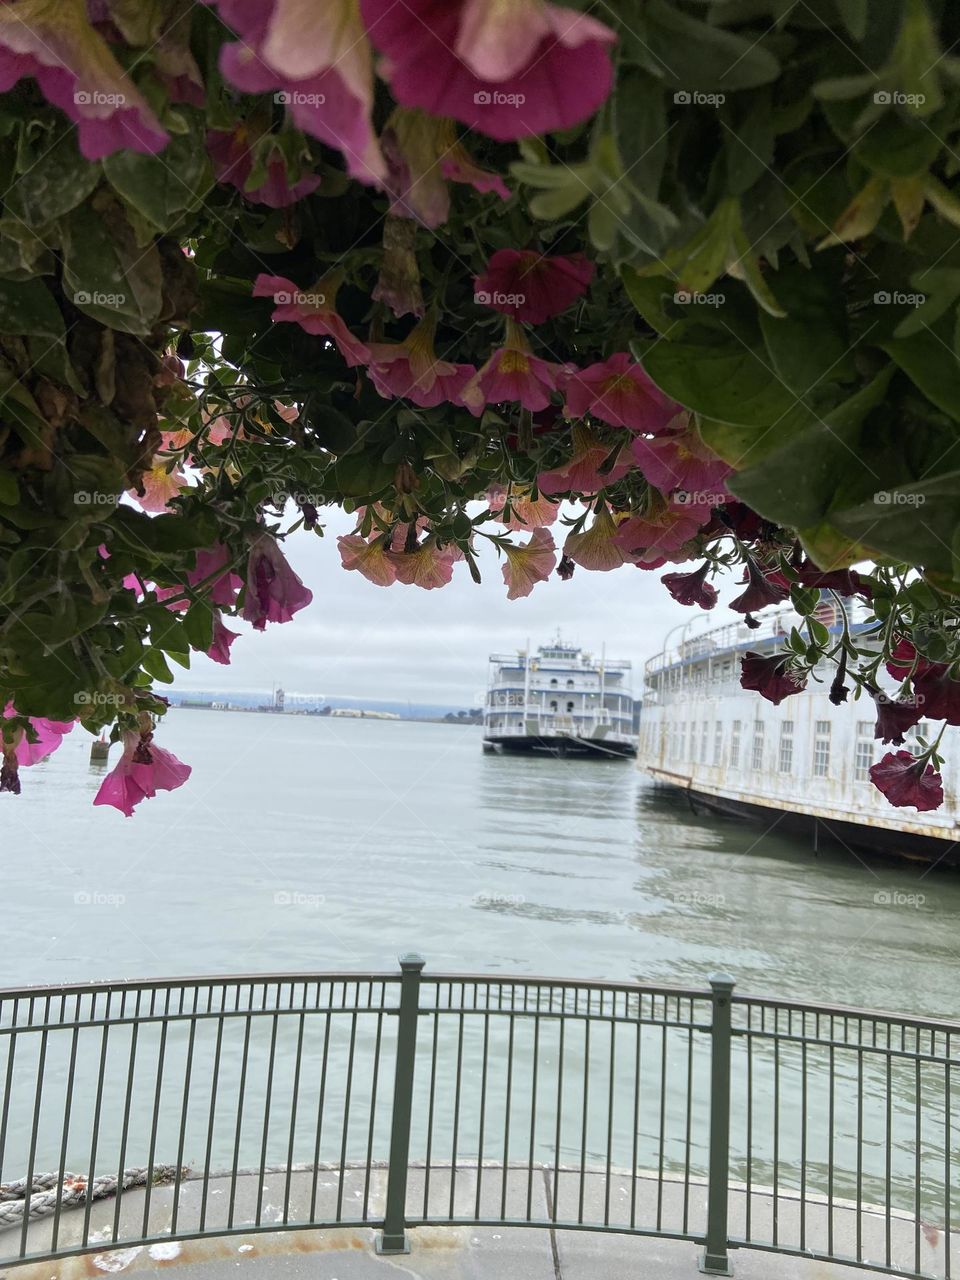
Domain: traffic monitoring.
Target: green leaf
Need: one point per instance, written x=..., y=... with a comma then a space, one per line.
x=810, y=345
x=9, y=489
x=154, y=663
x=693, y=55
x=854, y=14
x=165, y=187
x=198, y=625
x=928, y=359
x=797, y=466
x=729, y=382
x=53, y=180
x=106, y=273
x=648, y=293
x=28, y=307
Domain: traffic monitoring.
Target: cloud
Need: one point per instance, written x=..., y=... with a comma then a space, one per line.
x=402, y=642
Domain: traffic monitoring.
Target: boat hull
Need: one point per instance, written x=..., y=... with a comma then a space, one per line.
x=559, y=747
x=868, y=839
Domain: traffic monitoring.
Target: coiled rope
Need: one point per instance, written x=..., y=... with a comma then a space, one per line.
x=70, y=1189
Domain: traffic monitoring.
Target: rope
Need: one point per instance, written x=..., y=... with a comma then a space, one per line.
x=69, y=1190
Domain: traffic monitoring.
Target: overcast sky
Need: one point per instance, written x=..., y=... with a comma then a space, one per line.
x=401, y=642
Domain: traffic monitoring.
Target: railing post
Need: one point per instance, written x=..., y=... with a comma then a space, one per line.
x=393, y=1238
x=714, y=1260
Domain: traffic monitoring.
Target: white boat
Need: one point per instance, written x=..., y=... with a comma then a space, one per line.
x=559, y=701
x=803, y=764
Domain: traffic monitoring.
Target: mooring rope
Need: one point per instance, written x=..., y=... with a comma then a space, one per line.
x=70, y=1189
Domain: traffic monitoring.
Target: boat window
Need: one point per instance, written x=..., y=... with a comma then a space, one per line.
x=717, y=741
x=569, y=684
x=569, y=706
x=553, y=705
x=704, y=737
x=864, y=756
x=758, y=732
x=735, y=745
x=785, y=761
x=821, y=749
x=553, y=683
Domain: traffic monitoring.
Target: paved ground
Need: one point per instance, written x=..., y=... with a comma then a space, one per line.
x=442, y=1253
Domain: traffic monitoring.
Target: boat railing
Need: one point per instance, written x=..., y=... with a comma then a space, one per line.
x=399, y=1100
x=693, y=648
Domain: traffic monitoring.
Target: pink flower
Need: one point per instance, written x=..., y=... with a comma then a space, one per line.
x=457, y=165
x=680, y=460
x=223, y=589
x=526, y=566
x=771, y=676
x=142, y=771
x=664, y=530
x=313, y=311
x=532, y=286
x=233, y=156
x=273, y=593
x=422, y=155
x=620, y=393
x=905, y=780
x=580, y=473
x=525, y=513
x=410, y=370
x=318, y=56
x=71, y=62
x=506, y=70
x=692, y=588
x=368, y=557
x=223, y=638
x=597, y=547
x=428, y=566
x=160, y=485
x=49, y=735
x=513, y=373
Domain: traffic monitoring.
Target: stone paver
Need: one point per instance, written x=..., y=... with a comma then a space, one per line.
x=447, y=1253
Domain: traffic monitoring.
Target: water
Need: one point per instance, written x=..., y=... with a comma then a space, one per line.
x=312, y=843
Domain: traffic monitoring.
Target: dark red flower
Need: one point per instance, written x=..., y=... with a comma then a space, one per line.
x=738, y=518
x=692, y=588
x=565, y=568
x=939, y=696
x=846, y=582
x=902, y=660
x=532, y=286
x=772, y=677
x=762, y=589
x=894, y=717
x=905, y=780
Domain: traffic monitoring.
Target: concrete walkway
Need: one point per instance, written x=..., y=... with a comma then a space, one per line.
x=441, y=1253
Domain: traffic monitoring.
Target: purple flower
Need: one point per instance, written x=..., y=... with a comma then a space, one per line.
x=72, y=63
x=274, y=593
x=905, y=780
x=771, y=677
x=692, y=588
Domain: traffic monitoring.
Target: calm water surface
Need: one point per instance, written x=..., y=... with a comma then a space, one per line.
x=319, y=844
x=307, y=843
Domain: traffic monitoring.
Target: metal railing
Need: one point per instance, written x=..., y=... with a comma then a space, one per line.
x=232, y=1105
